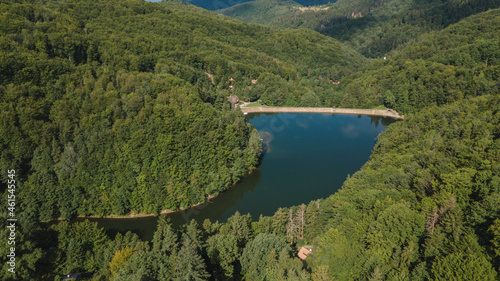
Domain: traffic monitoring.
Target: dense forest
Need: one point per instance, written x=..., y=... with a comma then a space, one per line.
x=458, y=62
x=373, y=28
x=120, y=107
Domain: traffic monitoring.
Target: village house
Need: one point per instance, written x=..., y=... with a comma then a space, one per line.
x=231, y=86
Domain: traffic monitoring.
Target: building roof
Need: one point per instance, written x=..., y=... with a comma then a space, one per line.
x=304, y=252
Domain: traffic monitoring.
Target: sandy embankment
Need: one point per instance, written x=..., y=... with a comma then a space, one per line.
x=372, y=112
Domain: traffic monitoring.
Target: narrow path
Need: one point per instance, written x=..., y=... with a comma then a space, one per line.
x=373, y=112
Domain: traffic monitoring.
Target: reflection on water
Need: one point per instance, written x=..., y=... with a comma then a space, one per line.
x=216, y=208
x=266, y=139
x=308, y=156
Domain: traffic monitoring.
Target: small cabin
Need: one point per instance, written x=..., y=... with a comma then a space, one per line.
x=304, y=252
x=254, y=81
x=233, y=99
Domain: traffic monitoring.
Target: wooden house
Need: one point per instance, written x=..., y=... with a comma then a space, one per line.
x=304, y=252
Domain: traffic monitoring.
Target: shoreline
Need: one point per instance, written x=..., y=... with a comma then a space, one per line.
x=165, y=211
x=372, y=112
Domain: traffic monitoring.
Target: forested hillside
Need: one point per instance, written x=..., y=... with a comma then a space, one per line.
x=433, y=59
x=373, y=28
x=121, y=106
x=460, y=61
x=424, y=206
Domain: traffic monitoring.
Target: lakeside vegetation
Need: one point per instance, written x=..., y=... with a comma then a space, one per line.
x=107, y=108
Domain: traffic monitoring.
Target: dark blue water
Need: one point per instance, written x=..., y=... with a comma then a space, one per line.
x=308, y=156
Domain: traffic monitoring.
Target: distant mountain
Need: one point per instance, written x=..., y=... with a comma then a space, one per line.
x=262, y=11
x=371, y=27
x=223, y=4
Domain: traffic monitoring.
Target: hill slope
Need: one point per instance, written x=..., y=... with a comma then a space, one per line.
x=458, y=62
x=424, y=206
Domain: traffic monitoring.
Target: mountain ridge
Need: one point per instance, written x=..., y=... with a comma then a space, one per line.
x=223, y=4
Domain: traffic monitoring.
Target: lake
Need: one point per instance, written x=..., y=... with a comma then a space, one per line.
x=308, y=156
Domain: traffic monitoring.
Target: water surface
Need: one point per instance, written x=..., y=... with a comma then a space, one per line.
x=308, y=156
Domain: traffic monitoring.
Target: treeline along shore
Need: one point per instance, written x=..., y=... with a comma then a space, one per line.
x=373, y=112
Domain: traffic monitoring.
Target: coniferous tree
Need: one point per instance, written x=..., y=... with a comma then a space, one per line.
x=164, y=248
x=189, y=265
x=253, y=259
